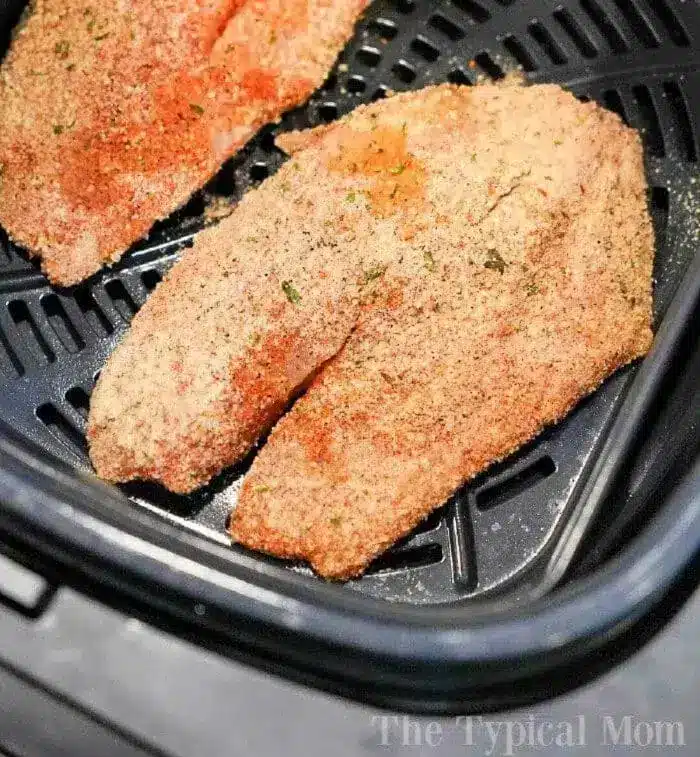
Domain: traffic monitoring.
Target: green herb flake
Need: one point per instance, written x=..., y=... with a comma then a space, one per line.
x=429, y=261
x=375, y=272
x=397, y=170
x=58, y=128
x=336, y=521
x=292, y=294
x=531, y=288
x=473, y=157
x=197, y=108
x=495, y=262
x=62, y=49
x=558, y=142
x=102, y=36
x=350, y=197
x=261, y=488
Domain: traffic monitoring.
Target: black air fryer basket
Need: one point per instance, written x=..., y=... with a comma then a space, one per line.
x=453, y=607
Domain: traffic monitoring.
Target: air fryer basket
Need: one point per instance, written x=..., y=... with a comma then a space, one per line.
x=510, y=534
x=636, y=57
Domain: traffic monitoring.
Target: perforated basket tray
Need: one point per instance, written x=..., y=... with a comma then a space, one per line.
x=515, y=527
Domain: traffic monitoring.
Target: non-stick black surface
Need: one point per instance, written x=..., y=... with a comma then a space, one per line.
x=637, y=57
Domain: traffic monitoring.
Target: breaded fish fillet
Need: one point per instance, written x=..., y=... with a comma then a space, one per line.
x=112, y=114
x=458, y=266
x=524, y=280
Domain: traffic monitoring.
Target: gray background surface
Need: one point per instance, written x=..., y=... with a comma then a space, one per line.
x=143, y=682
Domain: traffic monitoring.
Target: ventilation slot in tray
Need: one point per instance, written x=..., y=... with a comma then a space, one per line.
x=613, y=101
x=380, y=93
x=5, y=254
x=651, y=130
x=259, y=172
x=425, y=49
x=638, y=24
x=384, y=28
x=407, y=559
x=659, y=206
x=62, y=325
x=491, y=496
x=369, y=56
x=683, y=131
x=673, y=26
x=404, y=6
x=79, y=400
x=429, y=524
x=476, y=12
x=356, y=84
x=10, y=364
x=489, y=66
x=458, y=76
x=446, y=27
x=123, y=301
x=608, y=30
x=151, y=278
x=404, y=71
x=61, y=428
x=327, y=112
x=29, y=333
x=576, y=33
x=92, y=312
x=519, y=53
x=547, y=42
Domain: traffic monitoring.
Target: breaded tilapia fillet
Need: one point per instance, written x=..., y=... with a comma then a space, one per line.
x=459, y=266
x=112, y=114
